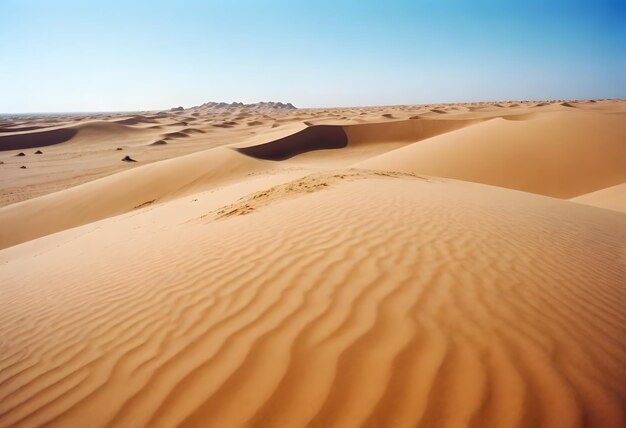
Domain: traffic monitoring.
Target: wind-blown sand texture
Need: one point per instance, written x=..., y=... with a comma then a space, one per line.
x=437, y=266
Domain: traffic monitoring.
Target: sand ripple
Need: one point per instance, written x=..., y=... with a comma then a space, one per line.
x=383, y=301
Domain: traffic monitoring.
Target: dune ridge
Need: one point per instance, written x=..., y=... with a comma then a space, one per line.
x=318, y=137
x=28, y=140
x=560, y=154
x=91, y=132
x=612, y=198
x=120, y=193
x=324, y=137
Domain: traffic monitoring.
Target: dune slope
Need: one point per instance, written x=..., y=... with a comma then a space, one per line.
x=298, y=140
x=612, y=198
x=27, y=140
x=318, y=137
x=347, y=298
x=120, y=193
x=89, y=132
x=562, y=154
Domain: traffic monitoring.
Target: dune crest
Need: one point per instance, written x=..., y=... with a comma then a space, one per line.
x=28, y=140
x=560, y=154
x=121, y=193
x=612, y=198
x=300, y=140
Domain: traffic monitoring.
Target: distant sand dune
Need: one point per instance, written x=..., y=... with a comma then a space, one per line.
x=92, y=132
x=4, y=129
x=192, y=131
x=103, y=131
x=561, y=154
x=29, y=140
x=135, y=120
x=177, y=134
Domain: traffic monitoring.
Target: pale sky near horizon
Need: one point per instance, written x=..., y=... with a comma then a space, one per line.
x=71, y=56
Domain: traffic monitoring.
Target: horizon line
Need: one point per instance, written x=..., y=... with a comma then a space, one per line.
x=167, y=110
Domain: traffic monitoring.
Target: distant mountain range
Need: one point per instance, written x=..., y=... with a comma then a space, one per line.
x=261, y=106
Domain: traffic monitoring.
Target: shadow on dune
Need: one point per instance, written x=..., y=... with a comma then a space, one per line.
x=318, y=137
x=36, y=139
x=322, y=137
x=135, y=120
x=21, y=128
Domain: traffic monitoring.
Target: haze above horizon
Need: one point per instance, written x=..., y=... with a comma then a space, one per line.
x=128, y=56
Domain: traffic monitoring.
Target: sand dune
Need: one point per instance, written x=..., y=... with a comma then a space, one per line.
x=136, y=120
x=612, y=198
x=89, y=132
x=90, y=152
x=97, y=132
x=177, y=134
x=402, y=131
x=370, y=301
x=561, y=154
x=120, y=193
x=12, y=128
x=317, y=137
x=28, y=140
x=282, y=267
x=301, y=140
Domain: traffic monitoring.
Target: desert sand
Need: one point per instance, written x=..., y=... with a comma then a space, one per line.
x=442, y=265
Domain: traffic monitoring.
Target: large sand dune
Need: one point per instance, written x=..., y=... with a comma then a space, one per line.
x=122, y=192
x=561, y=154
x=384, y=135
x=320, y=273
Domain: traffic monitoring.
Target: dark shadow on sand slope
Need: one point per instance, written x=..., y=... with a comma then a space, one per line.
x=321, y=137
x=318, y=137
x=21, y=128
x=36, y=139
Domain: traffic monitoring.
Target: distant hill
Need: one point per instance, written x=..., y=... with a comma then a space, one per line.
x=261, y=106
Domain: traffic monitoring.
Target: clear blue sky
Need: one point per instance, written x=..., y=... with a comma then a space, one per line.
x=103, y=55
